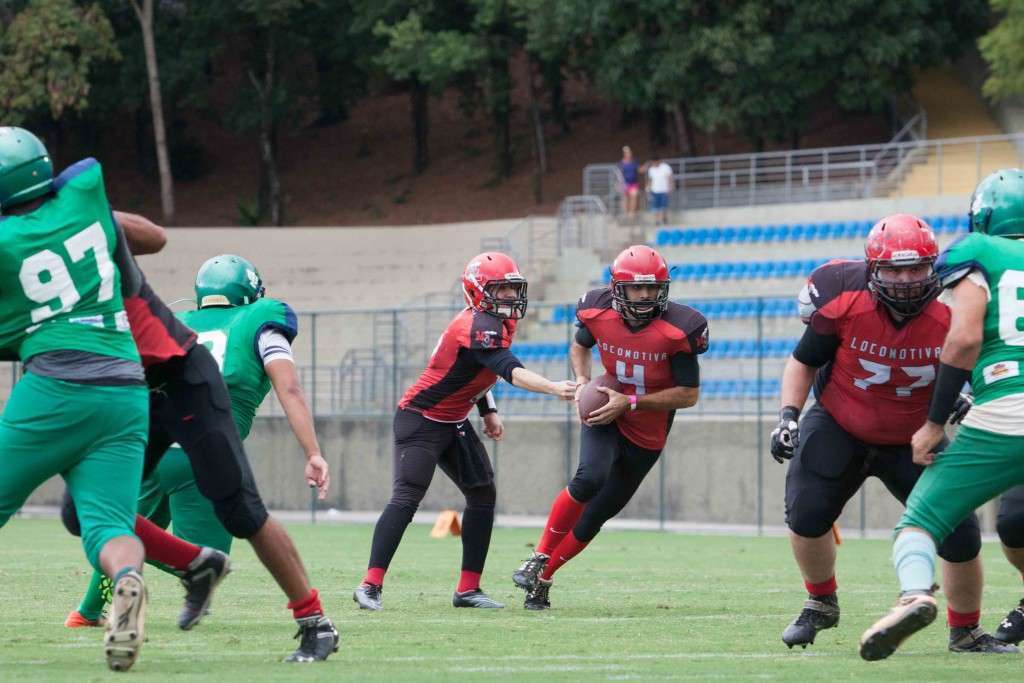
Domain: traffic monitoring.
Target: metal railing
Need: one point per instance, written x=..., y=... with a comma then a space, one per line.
x=833, y=173
x=582, y=223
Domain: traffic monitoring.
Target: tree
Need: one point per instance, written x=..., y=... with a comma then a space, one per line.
x=1003, y=49
x=144, y=13
x=48, y=52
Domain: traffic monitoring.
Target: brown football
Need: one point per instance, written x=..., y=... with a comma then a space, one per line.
x=591, y=399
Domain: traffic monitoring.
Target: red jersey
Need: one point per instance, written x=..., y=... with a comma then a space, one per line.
x=453, y=380
x=159, y=335
x=641, y=358
x=878, y=385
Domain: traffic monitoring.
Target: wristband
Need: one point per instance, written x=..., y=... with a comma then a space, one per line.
x=948, y=385
x=632, y=401
x=789, y=414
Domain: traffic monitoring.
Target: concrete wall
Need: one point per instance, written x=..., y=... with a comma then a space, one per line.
x=715, y=470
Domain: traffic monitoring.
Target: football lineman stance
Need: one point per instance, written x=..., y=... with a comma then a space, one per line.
x=982, y=273
x=651, y=346
x=874, y=332
x=432, y=428
x=250, y=338
x=81, y=408
x=189, y=405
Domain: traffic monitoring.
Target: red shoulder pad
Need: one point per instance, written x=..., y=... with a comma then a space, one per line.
x=688, y=326
x=832, y=289
x=486, y=331
x=594, y=303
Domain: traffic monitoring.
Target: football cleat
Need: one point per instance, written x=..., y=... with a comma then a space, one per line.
x=911, y=614
x=475, y=598
x=1011, y=629
x=976, y=640
x=318, y=640
x=76, y=620
x=125, y=633
x=537, y=598
x=529, y=571
x=368, y=596
x=818, y=614
x=204, y=573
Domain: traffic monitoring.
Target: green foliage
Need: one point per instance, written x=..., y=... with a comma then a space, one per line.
x=47, y=53
x=1003, y=49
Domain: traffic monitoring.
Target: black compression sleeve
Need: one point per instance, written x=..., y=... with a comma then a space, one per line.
x=816, y=349
x=584, y=337
x=685, y=370
x=500, y=361
x=486, y=405
x=948, y=385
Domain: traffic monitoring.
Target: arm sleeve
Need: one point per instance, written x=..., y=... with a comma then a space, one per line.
x=486, y=405
x=273, y=345
x=499, y=361
x=816, y=348
x=685, y=370
x=584, y=337
x=131, y=276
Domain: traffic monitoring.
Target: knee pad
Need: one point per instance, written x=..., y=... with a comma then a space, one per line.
x=407, y=496
x=583, y=488
x=242, y=514
x=964, y=543
x=69, y=515
x=809, y=519
x=481, y=497
x=1010, y=526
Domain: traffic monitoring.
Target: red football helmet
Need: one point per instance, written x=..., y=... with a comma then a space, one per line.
x=898, y=241
x=487, y=273
x=639, y=265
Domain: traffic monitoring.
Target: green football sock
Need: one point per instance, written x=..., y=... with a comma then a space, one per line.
x=95, y=598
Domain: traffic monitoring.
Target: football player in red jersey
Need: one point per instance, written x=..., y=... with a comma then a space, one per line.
x=650, y=345
x=432, y=429
x=871, y=350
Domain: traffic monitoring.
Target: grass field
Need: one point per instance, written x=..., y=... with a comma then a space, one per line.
x=634, y=606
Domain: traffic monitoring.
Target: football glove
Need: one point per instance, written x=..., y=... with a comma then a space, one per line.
x=786, y=436
x=960, y=408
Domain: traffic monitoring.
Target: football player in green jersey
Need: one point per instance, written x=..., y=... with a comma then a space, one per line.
x=250, y=337
x=984, y=274
x=81, y=410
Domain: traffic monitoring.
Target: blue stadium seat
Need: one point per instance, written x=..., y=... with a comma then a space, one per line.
x=663, y=238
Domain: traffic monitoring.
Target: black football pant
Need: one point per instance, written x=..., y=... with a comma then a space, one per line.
x=830, y=466
x=421, y=446
x=1010, y=520
x=610, y=471
x=189, y=405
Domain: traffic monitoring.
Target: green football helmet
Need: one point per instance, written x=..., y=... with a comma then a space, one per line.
x=997, y=207
x=228, y=280
x=25, y=168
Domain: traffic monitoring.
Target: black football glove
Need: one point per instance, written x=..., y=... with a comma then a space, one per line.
x=786, y=436
x=960, y=408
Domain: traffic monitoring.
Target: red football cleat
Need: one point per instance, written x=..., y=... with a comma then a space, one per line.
x=76, y=620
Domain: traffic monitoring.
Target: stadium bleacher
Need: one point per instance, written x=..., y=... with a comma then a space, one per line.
x=721, y=348
x=785, y=232
x=713, y=309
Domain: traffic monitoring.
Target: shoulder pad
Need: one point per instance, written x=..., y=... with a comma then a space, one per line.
x=75, y=170
x=486, y=331
x=593, y=303
x=825, y=289
x=277, y=315
x=962, y=256
x=691, y=324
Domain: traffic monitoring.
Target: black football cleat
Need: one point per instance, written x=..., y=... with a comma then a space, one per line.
x=318, y=640
x=204, y=573
x=818, y=614
x=911, y=614
x=529, y=571
x=1011, y=629
x=475, y=598
x=368, y=596
x=537, y=598
x=978, y=641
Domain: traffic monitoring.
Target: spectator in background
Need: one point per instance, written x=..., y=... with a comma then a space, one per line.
x=630, y=171
x=659, y=184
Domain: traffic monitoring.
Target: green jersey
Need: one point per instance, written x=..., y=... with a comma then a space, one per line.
x=997, y=265
x=60, y=287
x=232, y=335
